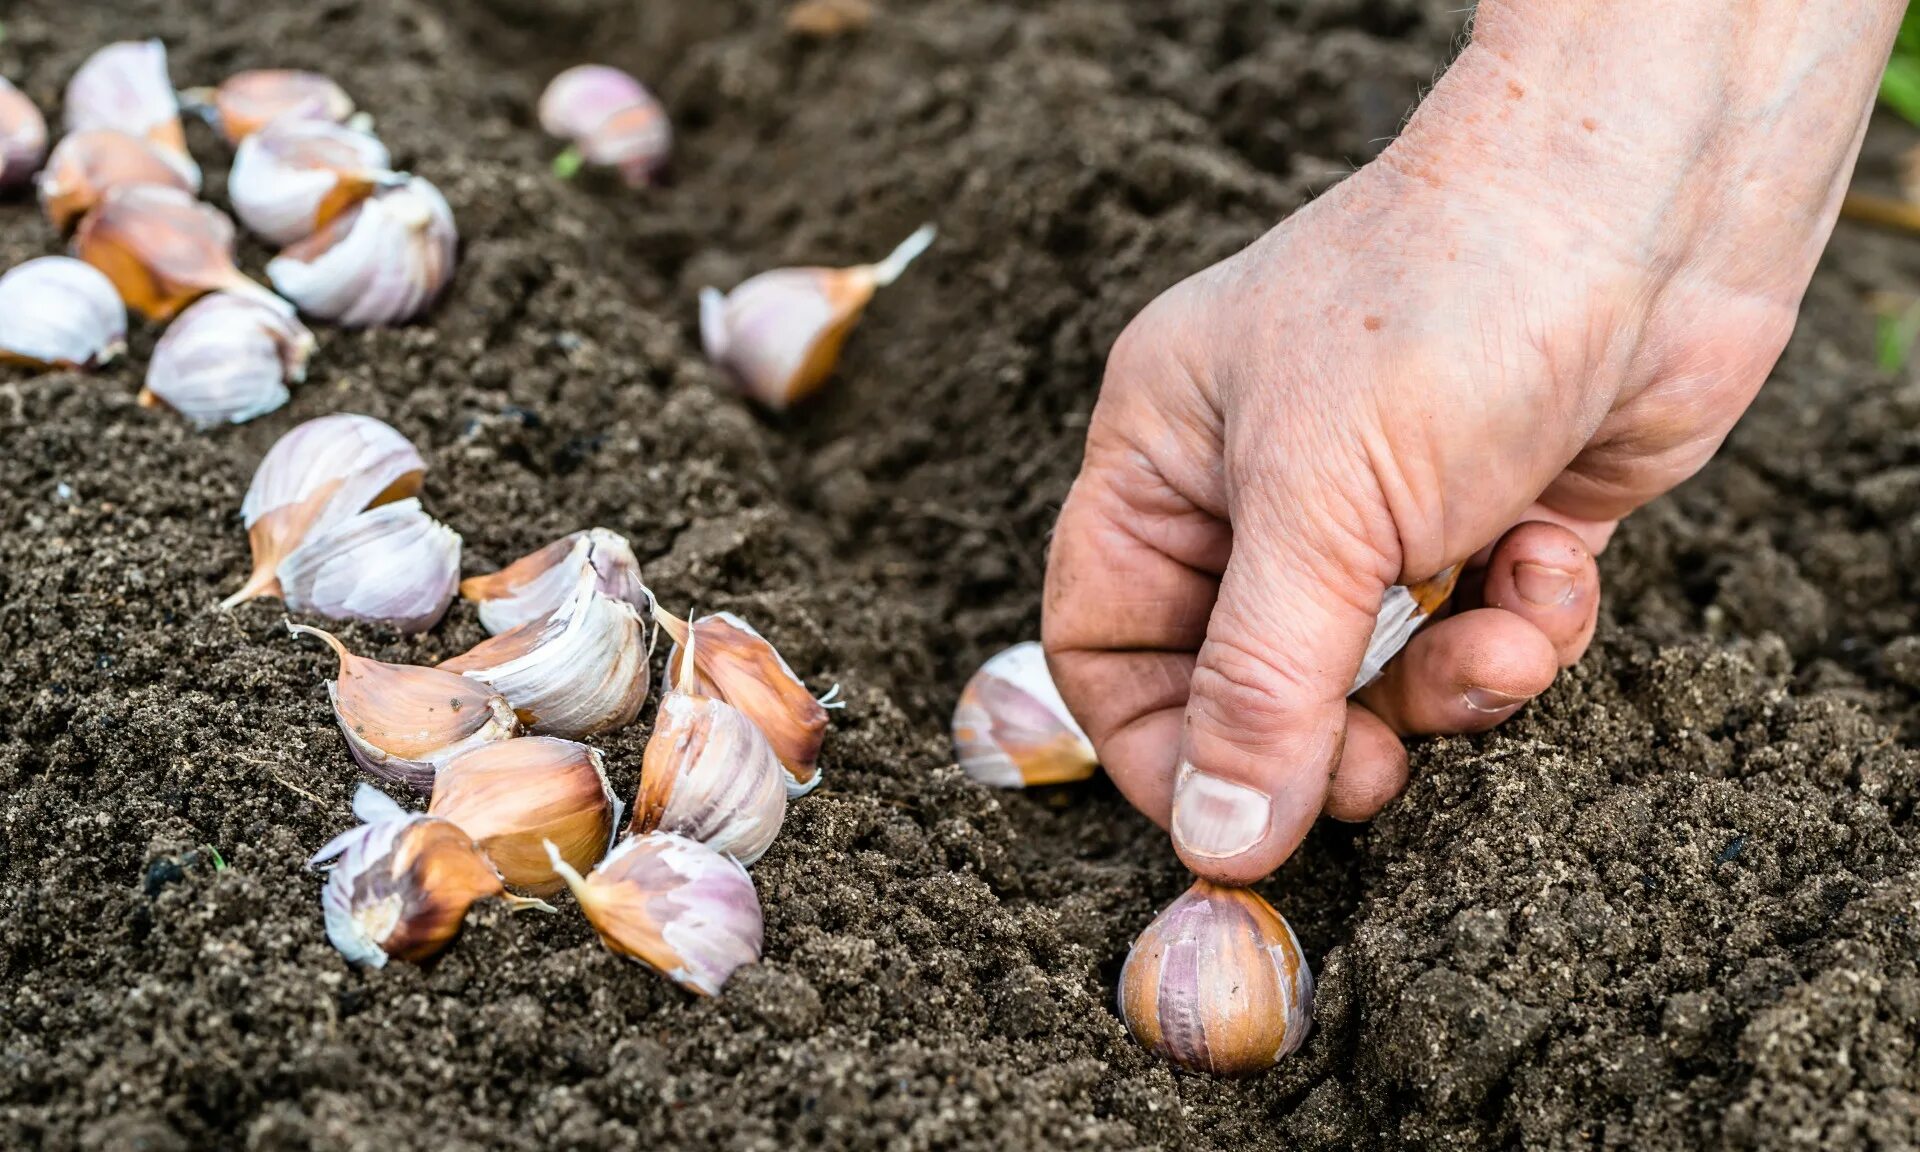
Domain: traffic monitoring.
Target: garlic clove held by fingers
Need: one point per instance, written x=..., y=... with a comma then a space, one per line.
x=382, y=261
x=391, y=565
x=515, y=797
x=532, y=587
x=1403, y=610
x=734, y=663
x=293, y=178
x=57, y=312
x=225, y=360
x=85, y=166
x=23, y=136
x=404, y=723
x=1217, y=983
x=611, y=120
x=246, y=102
x=779, y=333
x=1011, y=729
x=163, y=249
x=675, y=905
x=125, y=87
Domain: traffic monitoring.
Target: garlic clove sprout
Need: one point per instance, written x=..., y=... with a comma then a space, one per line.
x=392, y=565
x=399, y=885
x=779, y=333
x=59, y=312
x=611, y=120
x=246, y=102
x=124, y=87
x=736, y=664
x=1011, y=729
x=404, y=723
x=163, y=249
x=532, y=587
x=23, y=136
x=578, y=672
x=674, y=904
x=382, y=261
x=85, y=166
x=515, y=797
x=1217, y=983
x=294, y=177
x=225, y=360
x=1402, y=611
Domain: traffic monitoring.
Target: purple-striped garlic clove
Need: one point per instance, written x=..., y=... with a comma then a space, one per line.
x=85, y=166
x=405, y=723
x=163, y=249
x=779, y=333
x=516, y=797
x=57, y=312
x=382, y=261
x=534, y=586
x=1011, y=729
x=675, y=905
x=125, y=87
x=1217, y=983
x=23, y=136
x=293, y=178
x=225, y=360
x=247, y=102
x=392, y=565
x=610, y=120
x=1403, y=610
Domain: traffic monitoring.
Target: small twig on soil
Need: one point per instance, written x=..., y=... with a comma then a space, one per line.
x=1882, y=212
x=279, y=779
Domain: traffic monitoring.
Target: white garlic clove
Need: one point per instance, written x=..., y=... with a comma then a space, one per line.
x=779, y=333
x=125, y=87
x=1011, y=729
x=294, y=177
x=1217, y=983
x=23, y=136
x=515, y=797
x=392, y=565
x=226, y=360
x=163, y=249
x=734, y=663
x=246, y=102
x=403, y=722
x=382, y=261
x=59, y=312
x=532, y=587
x=85, y=166
x=675, y=905
x=611, y=120
x=1402, y=611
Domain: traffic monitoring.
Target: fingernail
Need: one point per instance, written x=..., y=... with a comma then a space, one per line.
x=1487, y=700
x=1541, y=585
x=1215, y=817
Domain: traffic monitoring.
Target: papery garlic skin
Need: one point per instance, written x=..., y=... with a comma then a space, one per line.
x=23, y=136
x=1011, y=729
x=1403, y=610
x=673, y=904
x=611, y=119
x=738, y=665
x=779, y=333
x=226, y=360
x=59, y=312
x=125, y=87
x=534, y=586
x=163, y=249
x=294, y=177
x=403, y=722
x=85, y=166
x=391, y=565
x=1217, y=983
x=383, y=261
x=247, y=102
x=708, y=774
x=515, y=797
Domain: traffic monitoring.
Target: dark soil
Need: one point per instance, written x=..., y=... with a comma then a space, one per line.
x=1676, y=904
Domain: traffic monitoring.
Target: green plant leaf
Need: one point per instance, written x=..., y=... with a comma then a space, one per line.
x=567, y=165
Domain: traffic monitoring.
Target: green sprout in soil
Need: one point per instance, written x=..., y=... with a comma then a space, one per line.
x=567, y=165
x=219, y=861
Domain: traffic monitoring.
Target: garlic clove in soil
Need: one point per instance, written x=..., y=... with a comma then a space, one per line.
x=515, y=797
x=383, y=261
x=578, y=672
x=1403, y=610
x=735, y=664
x=246, y=102
x=23, y=136
x=779, y=333
x=674, y=904
x=1217, y=983
x=391, y=565
x=294, y=177
x=163, y=249
x=611, y=120
x=59, y=312
x=225, y=360
x=85, y=166
x=399, y=885
x=404, y=723
x=532, y=587
x=125, y=87
x=1011, y=729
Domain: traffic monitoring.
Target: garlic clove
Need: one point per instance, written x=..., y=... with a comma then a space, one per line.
x=246, y=102
x=294, y=177
x=382, y=261
x=1402, y=611
x=514, y=797
x=779, y=333
x=225, y=360
x=578, y=672
x=392, y=565
x=1217, y=983
x=163, y=249
x=23, y=136
x=674, y=904
x=125, y=87
x=532, y=587
x=85, y=166
x=1012, y=730
x=403, y=722
x=58, y=312
x=736, y=664
x=611, y=120
x=399, y=885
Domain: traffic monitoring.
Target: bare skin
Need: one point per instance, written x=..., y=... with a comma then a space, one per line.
x=1544, y=305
